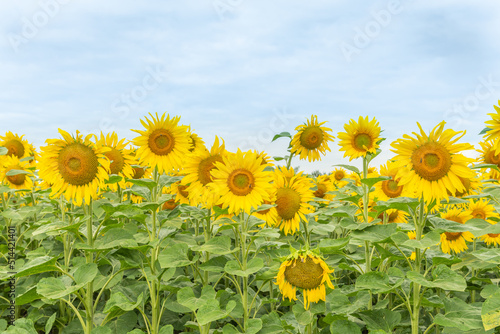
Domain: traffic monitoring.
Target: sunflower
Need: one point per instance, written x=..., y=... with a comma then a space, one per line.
x=241, y=181
x=413, y=236
x=431, y=164
x=455, y=241
x=18, y=181
x=197, y=168
x=197, y=145
x=75, y=167
x=323, y=186
x=181, y=192
x=338, y=176
x=360, y=138
x=311, y=139
x=266, y=159
x=292, y=197
x=121, y=159
x=394, y=216
x=163, y=144
x=307, y=271
x=482, y=209
x=17, y=146
x=494, y=127
x=488, y=155
x=387, y=189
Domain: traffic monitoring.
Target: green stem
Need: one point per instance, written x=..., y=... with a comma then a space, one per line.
x=289, y=161
x=366, y=202
x=90, y=259
x=154, y=287
x=419, y=227
x=473, y=274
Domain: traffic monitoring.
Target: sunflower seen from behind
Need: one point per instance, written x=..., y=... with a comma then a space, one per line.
x=311, y=139
x=432, y=165
x=76, y=167
x=16, y=173
x=361, y=138
x=307, y=271
x=456, y=241
x=163, y=143
x=241, y=181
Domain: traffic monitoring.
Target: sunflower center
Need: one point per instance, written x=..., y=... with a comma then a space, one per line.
x=304, y=274
x=161, y=142
x=362, y=142
x=287, y=203
x=339, y=175
x=311, y=138
x=452, y=235
x=391, y=188
x=492, y=158
x=241, y=182
x=192, y=141
x=493, y=235
x=205, y=166
x=116, y=157
x=77, y=164
x=17, y=179
x=478, y=213
x=14, y=147
x=183, y=191
x=138, y=172
x=431, y=161
x=169, y=205
x=263, y=212
x=320, y=193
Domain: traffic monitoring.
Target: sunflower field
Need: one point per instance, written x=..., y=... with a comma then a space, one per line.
x=168, y=234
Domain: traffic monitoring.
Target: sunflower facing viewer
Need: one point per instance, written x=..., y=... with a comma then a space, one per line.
x=360, y=138
x=311, y=139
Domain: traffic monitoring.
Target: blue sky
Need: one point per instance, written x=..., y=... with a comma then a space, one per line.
x=244, y=70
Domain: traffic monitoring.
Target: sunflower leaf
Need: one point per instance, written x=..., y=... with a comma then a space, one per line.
x=373, y=180
x=490, y=312
x=14, y=172
x=349, y=167
x=3, y=150
x=483, y=131
x=281, y=135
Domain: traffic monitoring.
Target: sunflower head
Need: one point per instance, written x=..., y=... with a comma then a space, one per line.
x=387, y=189
x=323, y=188
x=307, y=271
x=360, y=138
x=16, y=145
x=311, y=139
x=431, y=165
x=15, y=173
x=494, y=126
x=121, y=158
x=197, y=145
x=456, y=241
x=163, y=143
x=76, y=167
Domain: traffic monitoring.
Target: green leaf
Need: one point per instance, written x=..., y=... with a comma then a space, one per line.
x=186, y=298
x=375, y=281
x=384, y=320
x=328, y=246
x=490, y=312
x=219, y=245
x=38, y=265
x=304, y=317
x=215, y=264
x=3, y=150
x=27, y=297
x=429, y=240
x=253, y=326
x=119, y=304
x=460, y=315
x=52, y=288
x=101, y=330
x=371, y=181
x=375, y=233
x=344, y=327
x=281, y=135
x=85, y=273
x=483, y=131
x=443, y=277
x=349, y=167
x=150, y=184
x=210, y=311
x=490, y=255
x=14, y=172
x=50, y=323
x=254, y=265
x=113, y=179
x=167, y=329
x=481, y=166
x=175, y=256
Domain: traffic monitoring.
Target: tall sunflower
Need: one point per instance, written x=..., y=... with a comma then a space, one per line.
x=360, y=138
x=432, y=164
x=75, y=167
x=307, y=271
x=291, y=198
x=482, y=209
x=387, y=189
x=241, y=181
x=121, y=159
x=18, y=181
x=494, y=126
x=311, y=139
x=197, y=168
x=16, y=145
x=456, y=241
x=163, y=144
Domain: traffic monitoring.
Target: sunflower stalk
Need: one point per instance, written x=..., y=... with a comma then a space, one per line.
x=420, y=220
x=366, y=201
x=89, y=300
x=154, y=286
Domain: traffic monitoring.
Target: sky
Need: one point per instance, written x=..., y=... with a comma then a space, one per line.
x=245, y=70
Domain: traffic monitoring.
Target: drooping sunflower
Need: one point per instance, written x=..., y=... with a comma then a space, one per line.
x=292, y=201
x=482, y=209
x=387, y=189
x=241, y=181
x=307, y=271
x=432, y=164
x=323, y=188
x=121, y=159
x=163, y=144
x=494, y=126
x=456, y=241
x=17, y=146
x=311, y=139
x=197, y=144
x=197, y=168
x=22, y=180
x=75, y=167
x=360, y=138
